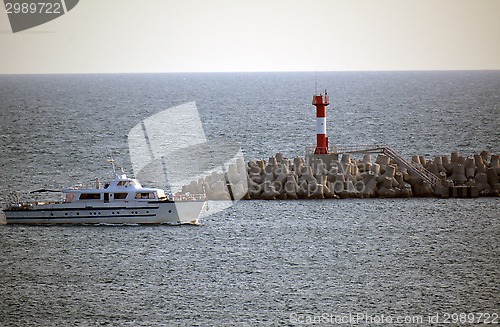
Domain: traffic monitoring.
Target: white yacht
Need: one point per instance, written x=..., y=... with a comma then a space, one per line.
x=123, y=201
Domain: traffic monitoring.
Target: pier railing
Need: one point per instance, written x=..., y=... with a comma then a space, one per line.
x=414, y=168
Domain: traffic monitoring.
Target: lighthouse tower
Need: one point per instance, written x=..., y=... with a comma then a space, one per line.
x=321, y=101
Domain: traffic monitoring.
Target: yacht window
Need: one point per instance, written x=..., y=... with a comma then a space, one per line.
x=126, y=183
x=120, y=196
x=90, y=196
x=148, y=195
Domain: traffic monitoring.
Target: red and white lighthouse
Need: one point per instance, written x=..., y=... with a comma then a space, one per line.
x=321, y=101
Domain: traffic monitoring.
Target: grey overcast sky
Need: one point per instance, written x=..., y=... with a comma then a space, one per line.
x=107, y=36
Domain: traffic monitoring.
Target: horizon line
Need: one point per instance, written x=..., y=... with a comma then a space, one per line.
x=256, y=71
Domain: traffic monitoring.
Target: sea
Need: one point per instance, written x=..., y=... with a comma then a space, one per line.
x=361, y=262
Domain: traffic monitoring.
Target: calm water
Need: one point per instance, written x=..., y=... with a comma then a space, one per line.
x=257, y=262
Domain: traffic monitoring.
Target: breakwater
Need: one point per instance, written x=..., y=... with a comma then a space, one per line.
x=356, y=172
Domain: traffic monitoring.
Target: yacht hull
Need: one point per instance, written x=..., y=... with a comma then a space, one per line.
x=154, y=212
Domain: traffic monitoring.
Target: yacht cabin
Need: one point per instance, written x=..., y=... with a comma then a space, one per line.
x=121, y=188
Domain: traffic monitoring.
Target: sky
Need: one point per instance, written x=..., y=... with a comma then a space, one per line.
x=123, y=36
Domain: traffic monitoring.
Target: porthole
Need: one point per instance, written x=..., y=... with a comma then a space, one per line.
x=170, y=211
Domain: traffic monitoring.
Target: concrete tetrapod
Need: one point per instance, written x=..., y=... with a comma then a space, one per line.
x=297, y=178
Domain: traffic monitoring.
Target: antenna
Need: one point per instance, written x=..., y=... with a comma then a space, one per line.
x=316, y=83
x=112, y=161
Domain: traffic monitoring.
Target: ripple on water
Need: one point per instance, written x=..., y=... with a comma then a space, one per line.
x=256, y=262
